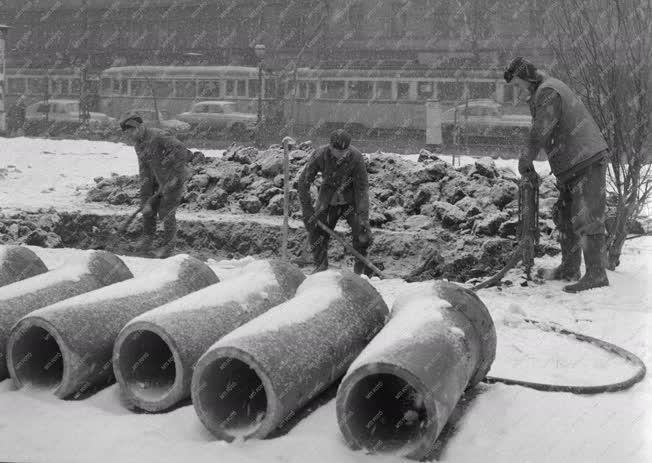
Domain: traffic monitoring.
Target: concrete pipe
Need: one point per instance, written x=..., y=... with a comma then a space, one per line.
x=86, y=272
x=399, y=393
x=254, y=379
x=67, y=346
x=18, y=263
x=154, y=354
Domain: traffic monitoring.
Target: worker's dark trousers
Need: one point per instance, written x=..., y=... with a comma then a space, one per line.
x=319, y=238
x=580, y=209
x=165, y=208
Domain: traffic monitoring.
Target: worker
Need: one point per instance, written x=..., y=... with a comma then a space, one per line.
x=162, y=165
x=578, y=155
x=344, y=192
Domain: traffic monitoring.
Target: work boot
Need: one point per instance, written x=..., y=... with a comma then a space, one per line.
x=569, y=269
x=596, y=275
x=144, y=245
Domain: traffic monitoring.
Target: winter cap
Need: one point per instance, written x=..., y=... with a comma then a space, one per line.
x=132, y=120
x=521, y=68
x=340, y=139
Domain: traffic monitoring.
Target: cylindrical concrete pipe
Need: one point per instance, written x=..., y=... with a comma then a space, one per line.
x=154, y=354
x=85, y=272
x=399, y=393
x=18, y=263
x=255, y=378
x=68, y=345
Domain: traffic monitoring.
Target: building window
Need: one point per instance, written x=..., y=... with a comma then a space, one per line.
x=360, y=90
x=16, y=86
x=356, y=19
x=398, y=21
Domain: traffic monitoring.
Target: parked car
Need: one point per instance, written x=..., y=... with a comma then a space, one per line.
x=484, y=118
x=220, y=115
x=62, y=115
x=164, y=121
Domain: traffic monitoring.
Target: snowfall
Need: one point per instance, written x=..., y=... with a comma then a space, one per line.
x=501, y=423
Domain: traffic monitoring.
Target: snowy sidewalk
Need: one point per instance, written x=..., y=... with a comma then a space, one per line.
x=502, y=424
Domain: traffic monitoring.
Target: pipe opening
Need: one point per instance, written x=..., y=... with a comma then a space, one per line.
x=386, y=413
x=36, y=358
x=147, y=365
x=232, y=396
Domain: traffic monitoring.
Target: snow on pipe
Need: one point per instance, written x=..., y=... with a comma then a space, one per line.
x=154, y=354
x=86, y=272
x=67, y=346
x=18, y=263
x=399, y=393
x=254, y=379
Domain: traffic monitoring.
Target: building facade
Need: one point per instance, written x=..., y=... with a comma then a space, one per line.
x=318, y=33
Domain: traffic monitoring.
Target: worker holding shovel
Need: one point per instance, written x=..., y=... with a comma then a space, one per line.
x=162, y=164
x=344, y=192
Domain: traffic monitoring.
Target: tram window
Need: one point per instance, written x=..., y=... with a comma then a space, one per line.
x=508, y=93
x=209, y=88
x=332, y=89
x=253, y=88
x=35, y=86
x=139, y=88
x=482, y=90
x=425, y=90
x=230, y=87
x=106, y=85
x=116, y=86
x=360, y=90
x=124, y=89
x=185, y=88
x=163, y=89
x=451, y=91
x=303, y=90
x=16, y=85
x=75, y=87
x=55, y=85
x=312, y=90
x=384, y=90
x=242, y=88
x=270, y=88
x=403, y=91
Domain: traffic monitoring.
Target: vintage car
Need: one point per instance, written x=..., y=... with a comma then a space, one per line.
x=484, y=119
x=219, y=115
x=59, y=115
x=164, y=121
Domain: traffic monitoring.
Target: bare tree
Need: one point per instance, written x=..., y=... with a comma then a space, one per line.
x=603, y=50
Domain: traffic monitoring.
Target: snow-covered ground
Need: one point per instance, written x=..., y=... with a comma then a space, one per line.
x=502, y=424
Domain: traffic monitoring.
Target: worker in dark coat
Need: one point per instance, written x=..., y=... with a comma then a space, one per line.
x=16, y=117
x=344, y=192
x=578, y=155
x=162, y=164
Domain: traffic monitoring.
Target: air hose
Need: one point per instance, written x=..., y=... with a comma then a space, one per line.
x=597, y=389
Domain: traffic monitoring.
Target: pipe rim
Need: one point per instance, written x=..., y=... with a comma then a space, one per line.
x=418, y=449
x=273, y=412
x=66, y=356
x=175, y=392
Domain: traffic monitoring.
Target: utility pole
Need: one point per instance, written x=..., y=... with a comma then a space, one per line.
x=84, y=110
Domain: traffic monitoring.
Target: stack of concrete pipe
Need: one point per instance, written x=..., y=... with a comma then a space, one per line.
x=18, y=263
x=254, y=379
x=88, y=271
x=68, y=345
x=399, y=393
x=155, y=353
